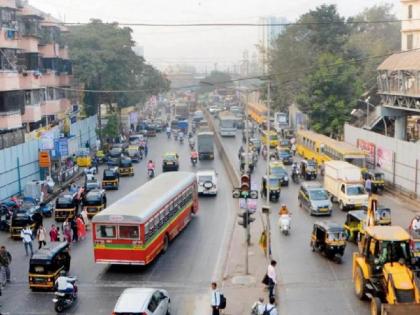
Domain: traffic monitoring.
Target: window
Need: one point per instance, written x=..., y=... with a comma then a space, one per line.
x=153, y=304
x=106, y=231
x=162, y=216
x=409, y=41
x=157, y=223
x=130, y=232
x=410, y=11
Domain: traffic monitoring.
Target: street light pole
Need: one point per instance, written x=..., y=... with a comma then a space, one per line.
x=247, y=236
x=268, y=170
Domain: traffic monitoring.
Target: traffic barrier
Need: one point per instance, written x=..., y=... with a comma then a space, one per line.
x=232, y=174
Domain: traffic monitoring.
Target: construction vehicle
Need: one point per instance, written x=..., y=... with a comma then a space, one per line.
x=381, y=269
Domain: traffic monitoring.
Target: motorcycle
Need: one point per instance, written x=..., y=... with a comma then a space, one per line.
x=295, y=176
x=151, y=173
x=192, y=145
x=284, y=224
x=63, y=301
x=194, y=161
x=168, y=134
x=181, y=140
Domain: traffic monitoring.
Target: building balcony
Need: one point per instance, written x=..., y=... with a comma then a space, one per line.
x=10, y=120
x=9, y=80
x=64, y=53
x=50, y=79
x=52, y=107
x=28, y=44
x=65, y=105
x=8, y=4
x=65, y=80
x=29, y=81
x=8, y=39
x=410, y=25
x=50, y=51
x=32, y=114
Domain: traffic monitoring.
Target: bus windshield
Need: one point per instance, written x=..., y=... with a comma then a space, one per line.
x=360, y=162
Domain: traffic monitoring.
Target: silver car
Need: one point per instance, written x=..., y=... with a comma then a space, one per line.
x=143, y=301
x=314, y=198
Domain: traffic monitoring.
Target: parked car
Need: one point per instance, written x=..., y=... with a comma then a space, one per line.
x=207, y=182
x=314, y=198
x=143, y=301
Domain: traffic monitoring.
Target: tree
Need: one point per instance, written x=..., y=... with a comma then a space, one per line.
x=104, y=59
x=112, y=128
x=216, y=79
x=328, y=94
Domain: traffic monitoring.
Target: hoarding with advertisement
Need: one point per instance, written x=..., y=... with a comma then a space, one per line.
x=370, y=148
x=384, y=158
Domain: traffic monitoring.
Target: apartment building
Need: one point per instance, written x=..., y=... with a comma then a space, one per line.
x=35, y=68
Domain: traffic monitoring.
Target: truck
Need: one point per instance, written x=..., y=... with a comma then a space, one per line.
x=344, y=183
x=227, y=124
x=182, y=111
x=205, y=145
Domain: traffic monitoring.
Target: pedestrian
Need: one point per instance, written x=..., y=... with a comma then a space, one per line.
x=368, y=186
x=73, y=225
x=215, y=299
x=146, y=149
x=26, y=235
x=53, y=233
x=85, y=218
x=81, y=230
x=41, y=235
x=294, y=149
x=67, y=230
x=270, y=308
x=272, y=278
x=5, y=261
x=258, y=307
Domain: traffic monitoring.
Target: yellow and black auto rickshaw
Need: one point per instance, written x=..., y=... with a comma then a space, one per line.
x=94, y=202
x=46, y=264
x=356, y=221
x=377, y=179
x=309, y=169
x=274, y=185
x=27, y=215
x=66, y=206
x=111, y=179
x=126, y=167
x=329, y=239
x=83, y=158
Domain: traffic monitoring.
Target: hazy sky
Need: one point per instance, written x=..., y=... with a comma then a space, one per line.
x=193, y=45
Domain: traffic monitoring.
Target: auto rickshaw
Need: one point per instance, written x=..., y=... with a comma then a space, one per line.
x=66, y=206
x=83, y=158
x=28, y=214
x=94, y=202
x=356, y=220
x=46, y=264
x=308, y=169
x=126, y=167
x=329, y=239
x=274, y=184
x=100, y=156
x=377, y=179
x=111, y=179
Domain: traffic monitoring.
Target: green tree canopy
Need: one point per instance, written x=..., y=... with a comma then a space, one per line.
x=104, y=59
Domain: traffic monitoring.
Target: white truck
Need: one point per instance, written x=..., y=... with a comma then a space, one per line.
x=344, y=183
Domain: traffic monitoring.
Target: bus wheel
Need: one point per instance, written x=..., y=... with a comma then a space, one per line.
x=165, y=243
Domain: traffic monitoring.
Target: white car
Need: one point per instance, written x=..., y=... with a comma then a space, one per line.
x=143, y=301
x=207, y=182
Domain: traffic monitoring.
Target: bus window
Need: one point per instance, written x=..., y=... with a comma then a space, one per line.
x=129, y=232
x=106, y=231
x=157, y=223
x=166, y=212
x=162, y=216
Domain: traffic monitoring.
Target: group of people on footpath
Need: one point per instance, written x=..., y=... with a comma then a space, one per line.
x=72, y=230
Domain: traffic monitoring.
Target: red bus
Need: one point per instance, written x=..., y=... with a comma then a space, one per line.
x=136, y=228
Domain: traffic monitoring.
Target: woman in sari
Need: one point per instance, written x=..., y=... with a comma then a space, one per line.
x=81, y=230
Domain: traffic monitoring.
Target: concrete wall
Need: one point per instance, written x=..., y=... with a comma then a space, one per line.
x=399, y=160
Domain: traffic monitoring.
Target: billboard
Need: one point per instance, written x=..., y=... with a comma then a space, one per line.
x=384, y=158
x=370, y=149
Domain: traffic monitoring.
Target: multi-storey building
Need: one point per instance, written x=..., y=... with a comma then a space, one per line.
x=35, y=68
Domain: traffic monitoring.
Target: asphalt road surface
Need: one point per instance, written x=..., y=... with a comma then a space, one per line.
x=193, y=260
x=308, y=282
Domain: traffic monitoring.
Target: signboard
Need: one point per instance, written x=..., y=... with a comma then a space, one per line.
x=370, y=149
x=61, y=147
x=384, y=158
x=46, y=140
x=44, y=159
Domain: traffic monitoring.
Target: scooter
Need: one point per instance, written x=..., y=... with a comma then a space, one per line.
x=194, y=161
x=295, y=177
x=151, y=173
x=192, y=145
x=168, y=134
x=181, y=140
x=284, y=224
x=63, y=301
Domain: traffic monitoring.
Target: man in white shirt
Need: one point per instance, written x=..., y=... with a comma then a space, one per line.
x=65, y=284
x=272, y=278
x=26, y=235
x=258, y=307
x=215, y=299
x=271, y=307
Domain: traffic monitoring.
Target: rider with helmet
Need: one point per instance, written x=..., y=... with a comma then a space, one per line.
x=65, y=284
x=283, y=210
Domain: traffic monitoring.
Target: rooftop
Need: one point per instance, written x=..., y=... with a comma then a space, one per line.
x=388, y=233
x=408, y=60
